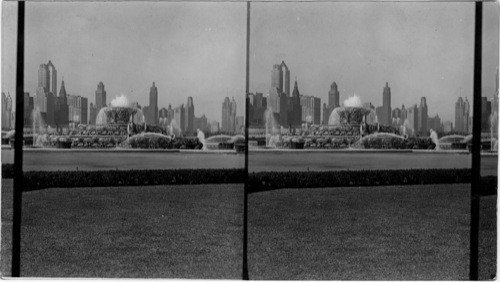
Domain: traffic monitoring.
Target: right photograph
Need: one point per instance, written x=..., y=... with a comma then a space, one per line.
x=360, y=129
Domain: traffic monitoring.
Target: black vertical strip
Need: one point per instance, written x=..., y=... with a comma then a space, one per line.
x=18, y=146
x=476, y=146
x=245, y=200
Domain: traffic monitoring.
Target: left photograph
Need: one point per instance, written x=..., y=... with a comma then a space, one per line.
x=133, y=139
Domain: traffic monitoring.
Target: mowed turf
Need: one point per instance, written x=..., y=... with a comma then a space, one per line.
x=151, y=231
x=377, y=233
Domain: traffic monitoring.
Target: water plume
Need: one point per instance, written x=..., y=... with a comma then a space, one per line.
x=120, y=101
x=353, y=101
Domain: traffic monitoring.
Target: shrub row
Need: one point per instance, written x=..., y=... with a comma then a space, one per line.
x=34, y=180
x=259, y=181
x=263, y=181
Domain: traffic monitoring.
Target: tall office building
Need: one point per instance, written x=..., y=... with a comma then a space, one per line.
x=412, y=117
x=100, y=97
x=279, y=94
x=92, y=113
x=404, y=114
x=7, y=122
x=422, y=117
x=277, y=78
x=485, y=114
x=228, y=122
x=61, y=108
x=294, y=117
x=44, y=102
x=163, y=117
x=232, y=116
x=240, y=125
x=333, y=102
x=226, y=108
x=333, y=96
x=201, y=123
x=78, y=109
x=28, y=110
x=434, y=123
x=179, y=118
x=47, y=77
x=256, y=109
x=214, y=126
x=462, y=113
x=151, y=111
x=396, y=116
x=384, y=112
x=190, y=116
x=45, y=99
x=467, y=116
x=311, y=109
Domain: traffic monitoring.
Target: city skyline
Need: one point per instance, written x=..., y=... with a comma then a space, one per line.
x=298, y=18
x=100, y=41
x=421, y=49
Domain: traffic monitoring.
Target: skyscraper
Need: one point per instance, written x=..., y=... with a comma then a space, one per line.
x=47, y=77
x=333, y=96
x=153, y=103
x=294, y=108
x=7, y=123
x=100, y=97
x=228, y=115
x=412, y=117
x=78, y=109
x=462, y=113
x=485, y=114
x=46, y=91
x=277, y=78
x=465, y=119
x=384, y=114
x=151, y=111
x=232, y=116
x=422, y=117
x=333, y=102
x=28, y=109
x=311, y=109
x=279, y=94
x=179, y=118
x=257, y=108
x=190, y=116
x=92, y=113
x=61, y=108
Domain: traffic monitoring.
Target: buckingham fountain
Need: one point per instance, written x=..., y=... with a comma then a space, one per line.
x=350, y=126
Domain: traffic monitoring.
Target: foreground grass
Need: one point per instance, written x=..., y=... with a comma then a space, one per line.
x=377, y=233
x=155, y=231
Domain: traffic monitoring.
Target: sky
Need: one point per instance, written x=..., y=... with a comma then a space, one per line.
x=420, y=49
x=187, y=49
x=198, y=49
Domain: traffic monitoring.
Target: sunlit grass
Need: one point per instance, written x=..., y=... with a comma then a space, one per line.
x=155, y=231
x=391, y=232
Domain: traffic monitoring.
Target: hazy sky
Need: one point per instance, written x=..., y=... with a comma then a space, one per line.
x=198, y=49
x=188, y=49
x=421, y=49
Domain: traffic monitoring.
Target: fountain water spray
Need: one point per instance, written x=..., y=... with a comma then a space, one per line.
x=271, y=124
x=120, y=101
x=38, y=127
x=435, y=139
x=201, y=139
x=353, y=101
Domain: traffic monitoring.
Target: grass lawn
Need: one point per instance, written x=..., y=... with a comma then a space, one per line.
x=153, y=231
x=387, y=233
